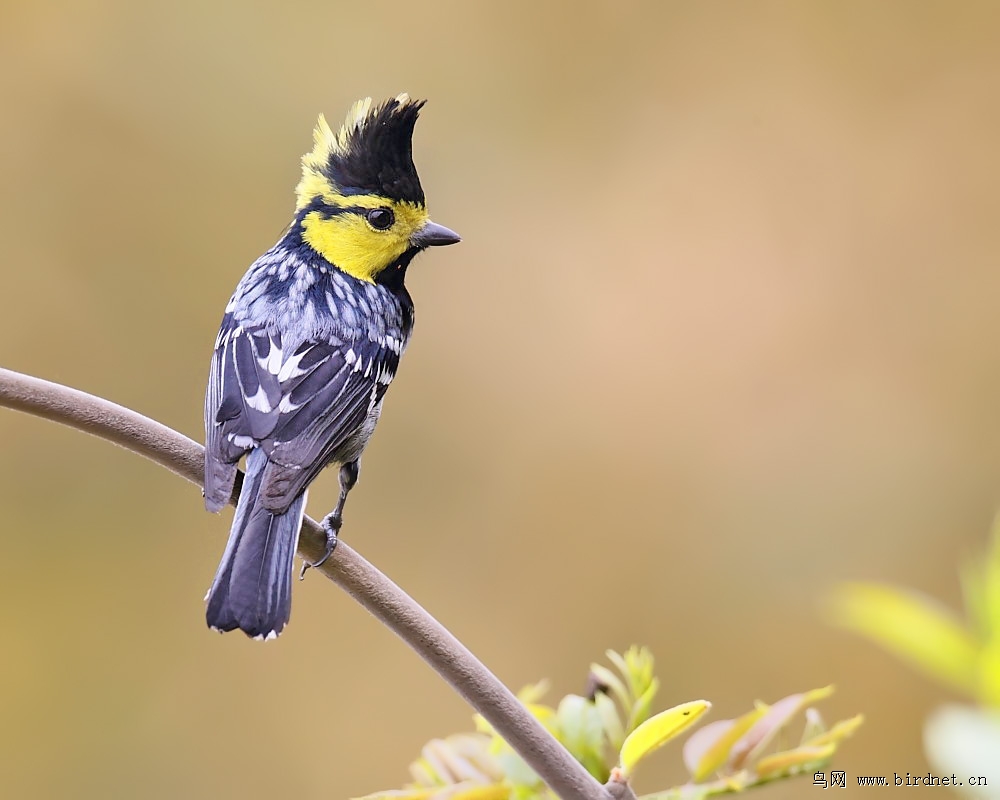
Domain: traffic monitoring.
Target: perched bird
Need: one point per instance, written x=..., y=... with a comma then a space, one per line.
x=308, y=346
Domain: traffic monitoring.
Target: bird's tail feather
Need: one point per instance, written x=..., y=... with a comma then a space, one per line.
x=252, y=589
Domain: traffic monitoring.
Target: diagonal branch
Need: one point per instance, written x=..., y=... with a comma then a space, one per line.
x=362, y=581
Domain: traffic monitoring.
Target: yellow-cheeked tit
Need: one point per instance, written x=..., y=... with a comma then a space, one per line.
x=308, y=346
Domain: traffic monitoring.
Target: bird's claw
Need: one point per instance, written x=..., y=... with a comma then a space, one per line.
x=331, y=527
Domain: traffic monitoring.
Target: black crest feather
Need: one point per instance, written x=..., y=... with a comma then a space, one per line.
x=376, y=153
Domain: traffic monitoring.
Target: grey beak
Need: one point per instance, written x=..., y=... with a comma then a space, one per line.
x=434, y=235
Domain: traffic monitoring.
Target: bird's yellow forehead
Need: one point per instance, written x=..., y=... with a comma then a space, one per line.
x=313, y=186
x=370, y=153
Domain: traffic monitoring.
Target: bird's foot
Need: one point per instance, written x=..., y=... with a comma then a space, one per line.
x=331, y=527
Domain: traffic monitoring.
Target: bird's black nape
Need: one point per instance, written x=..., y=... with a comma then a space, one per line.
x=378, y=156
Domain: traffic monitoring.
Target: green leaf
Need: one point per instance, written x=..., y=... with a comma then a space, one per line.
x=640, y=710
x=582, y=734
x=614, y=684
x=517, y=770
x=640, y=661
x=636, y=666
x=610, y=720
x=657, y=731
x=913, y=627
x=622, y=666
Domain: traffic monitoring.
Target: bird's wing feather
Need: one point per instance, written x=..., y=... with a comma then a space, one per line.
x=224, y=444
x=300, y=407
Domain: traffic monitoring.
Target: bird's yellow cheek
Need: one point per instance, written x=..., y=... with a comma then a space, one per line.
x=348, y=242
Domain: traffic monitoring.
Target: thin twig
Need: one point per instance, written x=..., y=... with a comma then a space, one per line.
x=362, y=581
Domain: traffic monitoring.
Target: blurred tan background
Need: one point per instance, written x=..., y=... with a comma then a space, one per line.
x=723, y=332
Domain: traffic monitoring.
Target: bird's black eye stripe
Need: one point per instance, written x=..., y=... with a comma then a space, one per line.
x=380, y=218
x=328, y=210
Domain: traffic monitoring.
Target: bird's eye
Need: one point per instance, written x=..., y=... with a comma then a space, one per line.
x=381, y=218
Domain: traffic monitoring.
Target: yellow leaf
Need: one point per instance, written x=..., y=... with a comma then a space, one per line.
x=837, y=734
x=544, y=714
x=912, y=627
x=401, y=794
x=991, y=584
x=815, y=695
x=717, y=754
x=423, y=774
x=497, y=791
x=791, y=761
x=989, y=674
x=533, y=692
x=657, y=731
x=455, y=760
x=814, y=725
x=753, y=743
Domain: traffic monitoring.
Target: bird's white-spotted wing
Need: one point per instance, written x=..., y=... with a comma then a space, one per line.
x=300, y=407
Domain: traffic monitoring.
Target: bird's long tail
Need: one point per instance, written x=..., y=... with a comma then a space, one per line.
x=252, y=589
